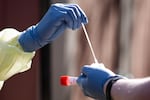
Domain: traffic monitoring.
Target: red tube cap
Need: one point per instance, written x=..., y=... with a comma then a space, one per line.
x=64, y=80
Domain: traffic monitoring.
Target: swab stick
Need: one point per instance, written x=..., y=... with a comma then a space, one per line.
x=89, y=42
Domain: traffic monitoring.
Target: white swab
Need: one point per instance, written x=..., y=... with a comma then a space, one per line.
x=89, y=42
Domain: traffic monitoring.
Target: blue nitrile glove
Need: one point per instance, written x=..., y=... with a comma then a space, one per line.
x=56, y=20
x=92, y=80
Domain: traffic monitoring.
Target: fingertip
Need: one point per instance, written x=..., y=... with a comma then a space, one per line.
x=85, y=20
x=80, y=80
x=85, y=69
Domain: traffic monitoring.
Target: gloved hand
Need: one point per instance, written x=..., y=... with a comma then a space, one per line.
x=92, y=80
x=53, y=24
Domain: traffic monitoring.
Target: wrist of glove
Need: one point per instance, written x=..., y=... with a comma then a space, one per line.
x=52, y=25
x=93, y=78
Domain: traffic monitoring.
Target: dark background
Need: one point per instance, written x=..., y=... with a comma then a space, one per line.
x=33, y=84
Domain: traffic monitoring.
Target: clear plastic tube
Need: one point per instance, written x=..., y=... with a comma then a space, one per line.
x=68, y=80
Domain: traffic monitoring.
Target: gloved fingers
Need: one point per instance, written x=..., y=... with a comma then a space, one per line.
x=82, y=80
x=81, y=17
x=63, y=15
x=86, y=69
x=68, y=15
x=77, y=14
x=73, y=15
x=83, y=84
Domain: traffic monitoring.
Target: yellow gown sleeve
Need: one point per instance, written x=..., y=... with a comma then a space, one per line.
x=13, y=59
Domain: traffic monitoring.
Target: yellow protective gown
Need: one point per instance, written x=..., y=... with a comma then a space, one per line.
x=13, y=59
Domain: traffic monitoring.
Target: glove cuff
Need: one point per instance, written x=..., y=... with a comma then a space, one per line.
x=110, y=83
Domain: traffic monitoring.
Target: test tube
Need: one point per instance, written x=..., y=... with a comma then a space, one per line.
x=68, y=80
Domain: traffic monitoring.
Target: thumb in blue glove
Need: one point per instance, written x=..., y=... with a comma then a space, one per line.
x=92, y=80
x=52, y=25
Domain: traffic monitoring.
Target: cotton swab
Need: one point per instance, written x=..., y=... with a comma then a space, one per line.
x=89, y=42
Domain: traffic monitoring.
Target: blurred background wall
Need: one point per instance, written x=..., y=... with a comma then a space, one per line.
x=20, y=14
x=118, y=30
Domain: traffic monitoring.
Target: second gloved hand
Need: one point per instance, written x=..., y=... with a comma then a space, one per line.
x=92, y=80
x=53, y=24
